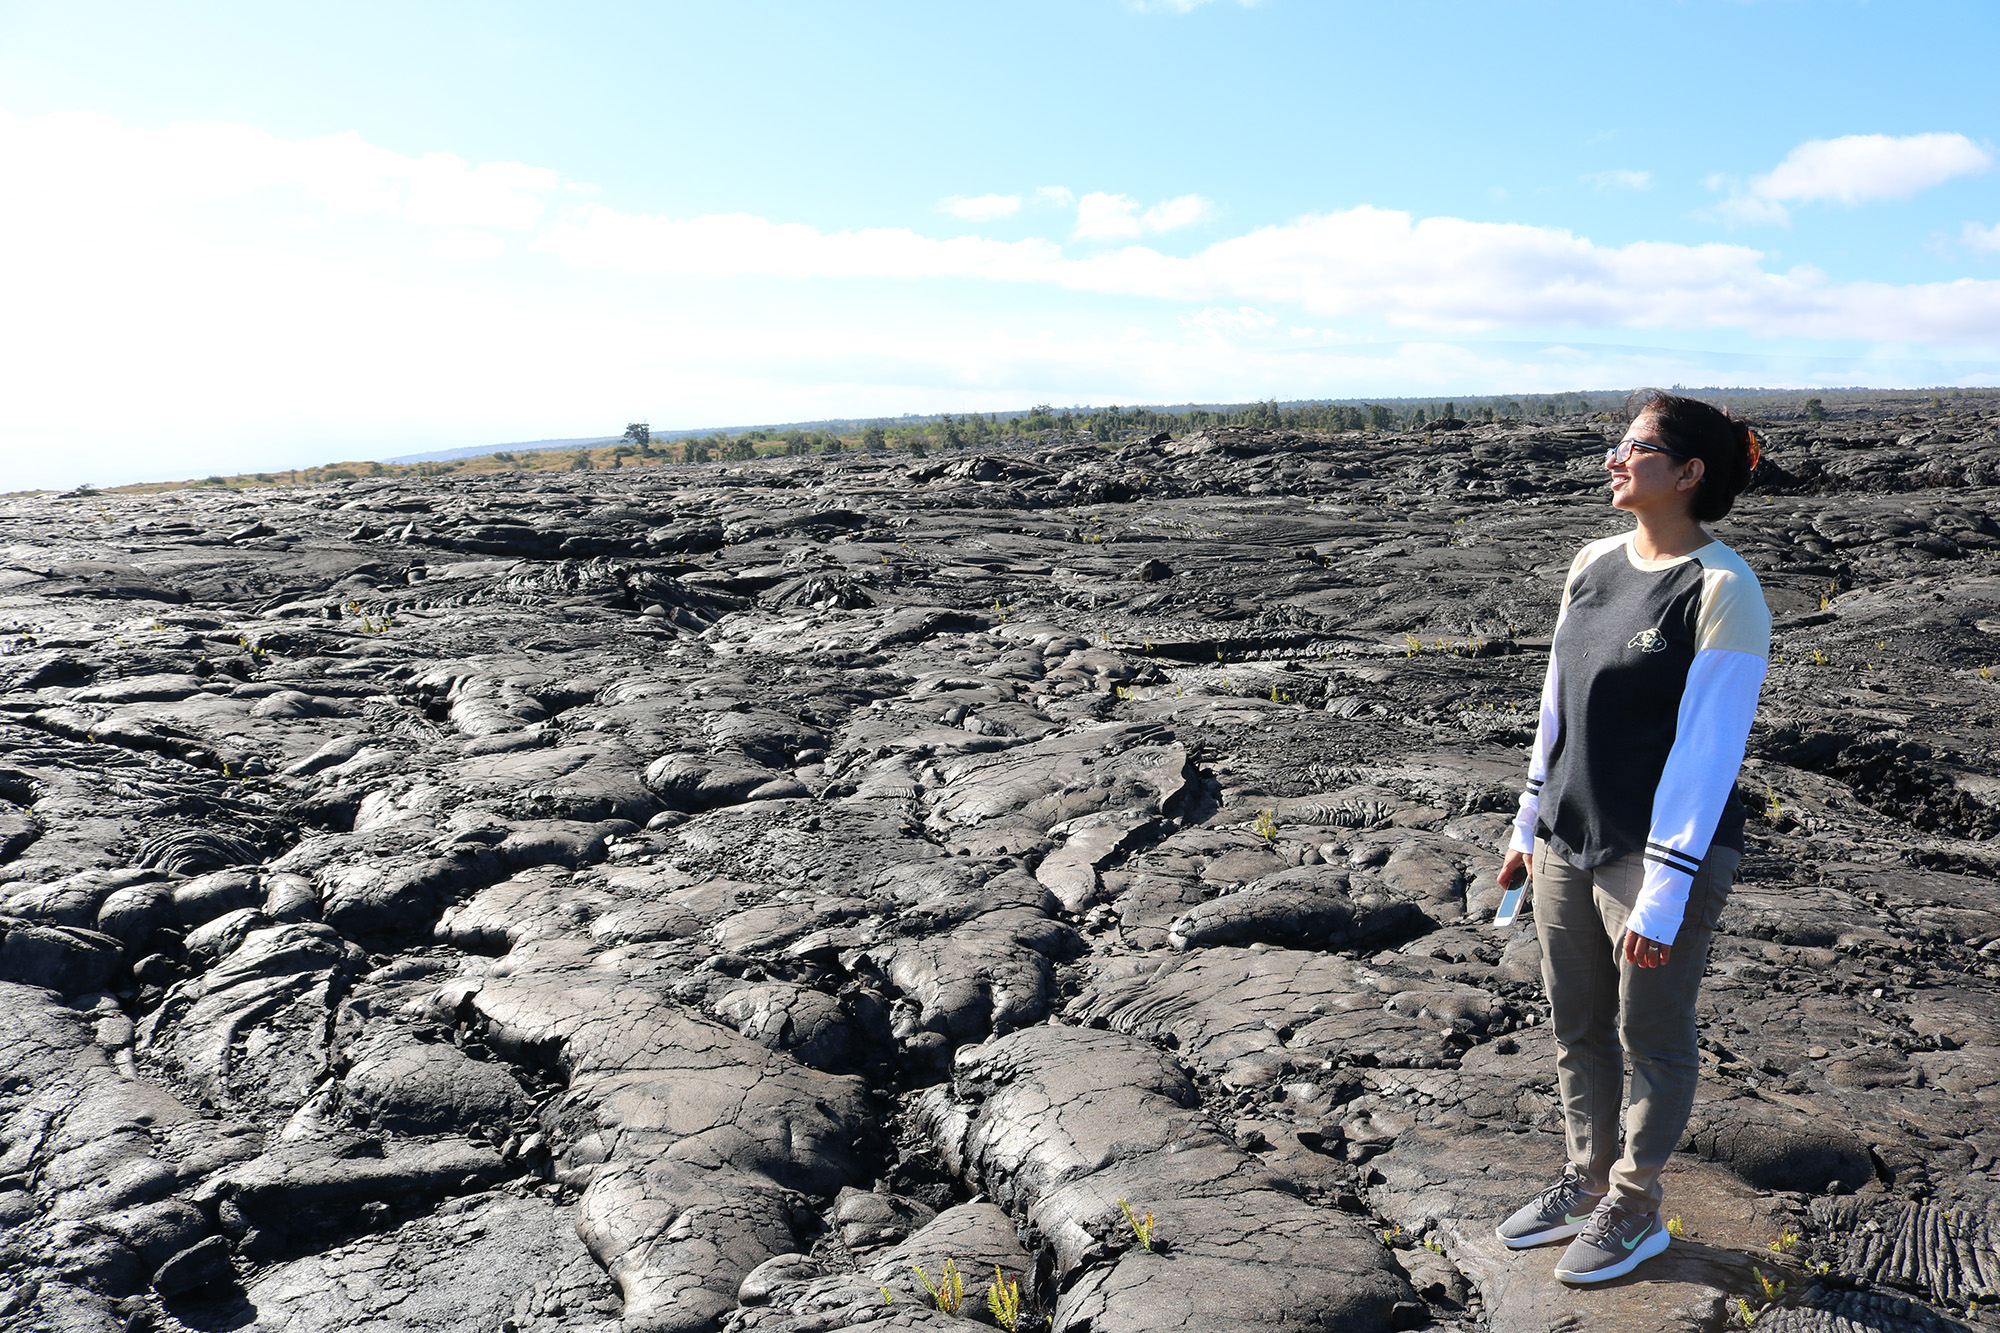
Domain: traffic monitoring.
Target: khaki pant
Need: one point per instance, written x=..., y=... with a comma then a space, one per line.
x=1605, y=1011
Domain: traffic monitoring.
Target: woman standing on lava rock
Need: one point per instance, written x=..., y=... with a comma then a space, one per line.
x=1631, y=820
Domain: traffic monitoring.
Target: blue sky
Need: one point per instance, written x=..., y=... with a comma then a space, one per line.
x=248, y=236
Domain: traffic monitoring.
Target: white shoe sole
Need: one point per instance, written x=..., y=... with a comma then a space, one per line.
x=1563, y=1232
x=1646, y=1249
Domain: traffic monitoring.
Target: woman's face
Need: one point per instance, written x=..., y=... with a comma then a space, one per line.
x=1648, y=482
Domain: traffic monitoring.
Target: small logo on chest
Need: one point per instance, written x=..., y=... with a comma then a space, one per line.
x=1649, y=641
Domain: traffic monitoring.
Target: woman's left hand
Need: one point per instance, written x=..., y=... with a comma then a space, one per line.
x=1642, y=952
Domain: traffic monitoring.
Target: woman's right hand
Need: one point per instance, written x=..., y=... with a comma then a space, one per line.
x=1513, y=870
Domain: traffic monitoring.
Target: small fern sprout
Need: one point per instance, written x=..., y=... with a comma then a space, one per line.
x=1266, y=826
x=1675, y=1227
x=887, y=1297
x=1003, y=1300
x=1745, y=1313
x=1773, y=1291
x=1784, y=1242
x=1142, y=1227
x=948, y=1292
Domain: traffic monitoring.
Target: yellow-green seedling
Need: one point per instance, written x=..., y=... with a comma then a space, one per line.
x=1142, y=1227
x=887, y=1298
x=1773, y=809
x=1412, y=645
x=1003, y=1300
x=1675, y=1227
x=1773, y=1291
x=1266, y=826
x=1392, y=1235
x=1784, y=1241
x=948, y=1292
x=1745, y=1313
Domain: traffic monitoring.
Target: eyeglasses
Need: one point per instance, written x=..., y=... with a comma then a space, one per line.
x=1623, y=451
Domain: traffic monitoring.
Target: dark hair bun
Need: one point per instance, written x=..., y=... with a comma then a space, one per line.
x=1728, y=449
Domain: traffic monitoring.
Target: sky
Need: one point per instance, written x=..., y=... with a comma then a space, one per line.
x=242, y=237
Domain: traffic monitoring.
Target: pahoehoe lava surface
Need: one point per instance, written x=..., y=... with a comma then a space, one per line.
x=698, y=897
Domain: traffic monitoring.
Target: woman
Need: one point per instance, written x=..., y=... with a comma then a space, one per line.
x=1631, y=820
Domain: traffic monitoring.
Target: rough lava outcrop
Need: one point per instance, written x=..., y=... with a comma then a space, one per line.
x=716, y=897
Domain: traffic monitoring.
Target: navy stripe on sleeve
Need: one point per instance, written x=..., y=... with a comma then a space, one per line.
x=1672, y=859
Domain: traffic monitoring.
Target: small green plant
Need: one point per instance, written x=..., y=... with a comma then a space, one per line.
x=1819, y=658
x=1675, y=1227
x=1785, y=1240
x=1434, y=1245
x=1142, y=1227
x=948, y=1292
x=1774, y=810
x=1003, y=1300
x=1266, y=826
x=1819, y=1268
x=1392, y=1235
x=1745, y=1313
x=1773, y=1291
x=887, y=1299
x=1412, y=645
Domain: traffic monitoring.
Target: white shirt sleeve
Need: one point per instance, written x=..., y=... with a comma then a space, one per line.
x=1546, y=730
x=1717, y=707
x=1549, y=725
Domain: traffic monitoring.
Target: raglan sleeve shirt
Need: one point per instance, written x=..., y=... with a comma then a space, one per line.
x=1732, y=653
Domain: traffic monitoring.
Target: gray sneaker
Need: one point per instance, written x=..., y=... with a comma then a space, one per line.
x=1557, y=1213
x=1616, y=1240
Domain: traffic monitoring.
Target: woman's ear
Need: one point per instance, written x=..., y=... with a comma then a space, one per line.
x=1691, y=474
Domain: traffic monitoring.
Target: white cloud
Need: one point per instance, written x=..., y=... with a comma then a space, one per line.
x=1620, y=180
x=1440, y=273
x=465, y=243
x=1853, y=169
x=1983, y=238
x=238, y=301
x=1871, y=166
x=982, y=207
x=1107, y=217
x=1174, y=214
x=1058, y=195
x=1220, y=323
x=1117, y=217
x=1176, y=6
x=730, y=245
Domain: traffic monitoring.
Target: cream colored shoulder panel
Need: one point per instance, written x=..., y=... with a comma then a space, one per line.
x=1733, y=612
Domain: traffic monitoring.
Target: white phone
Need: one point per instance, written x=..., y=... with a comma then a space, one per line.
x=1510, y=904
